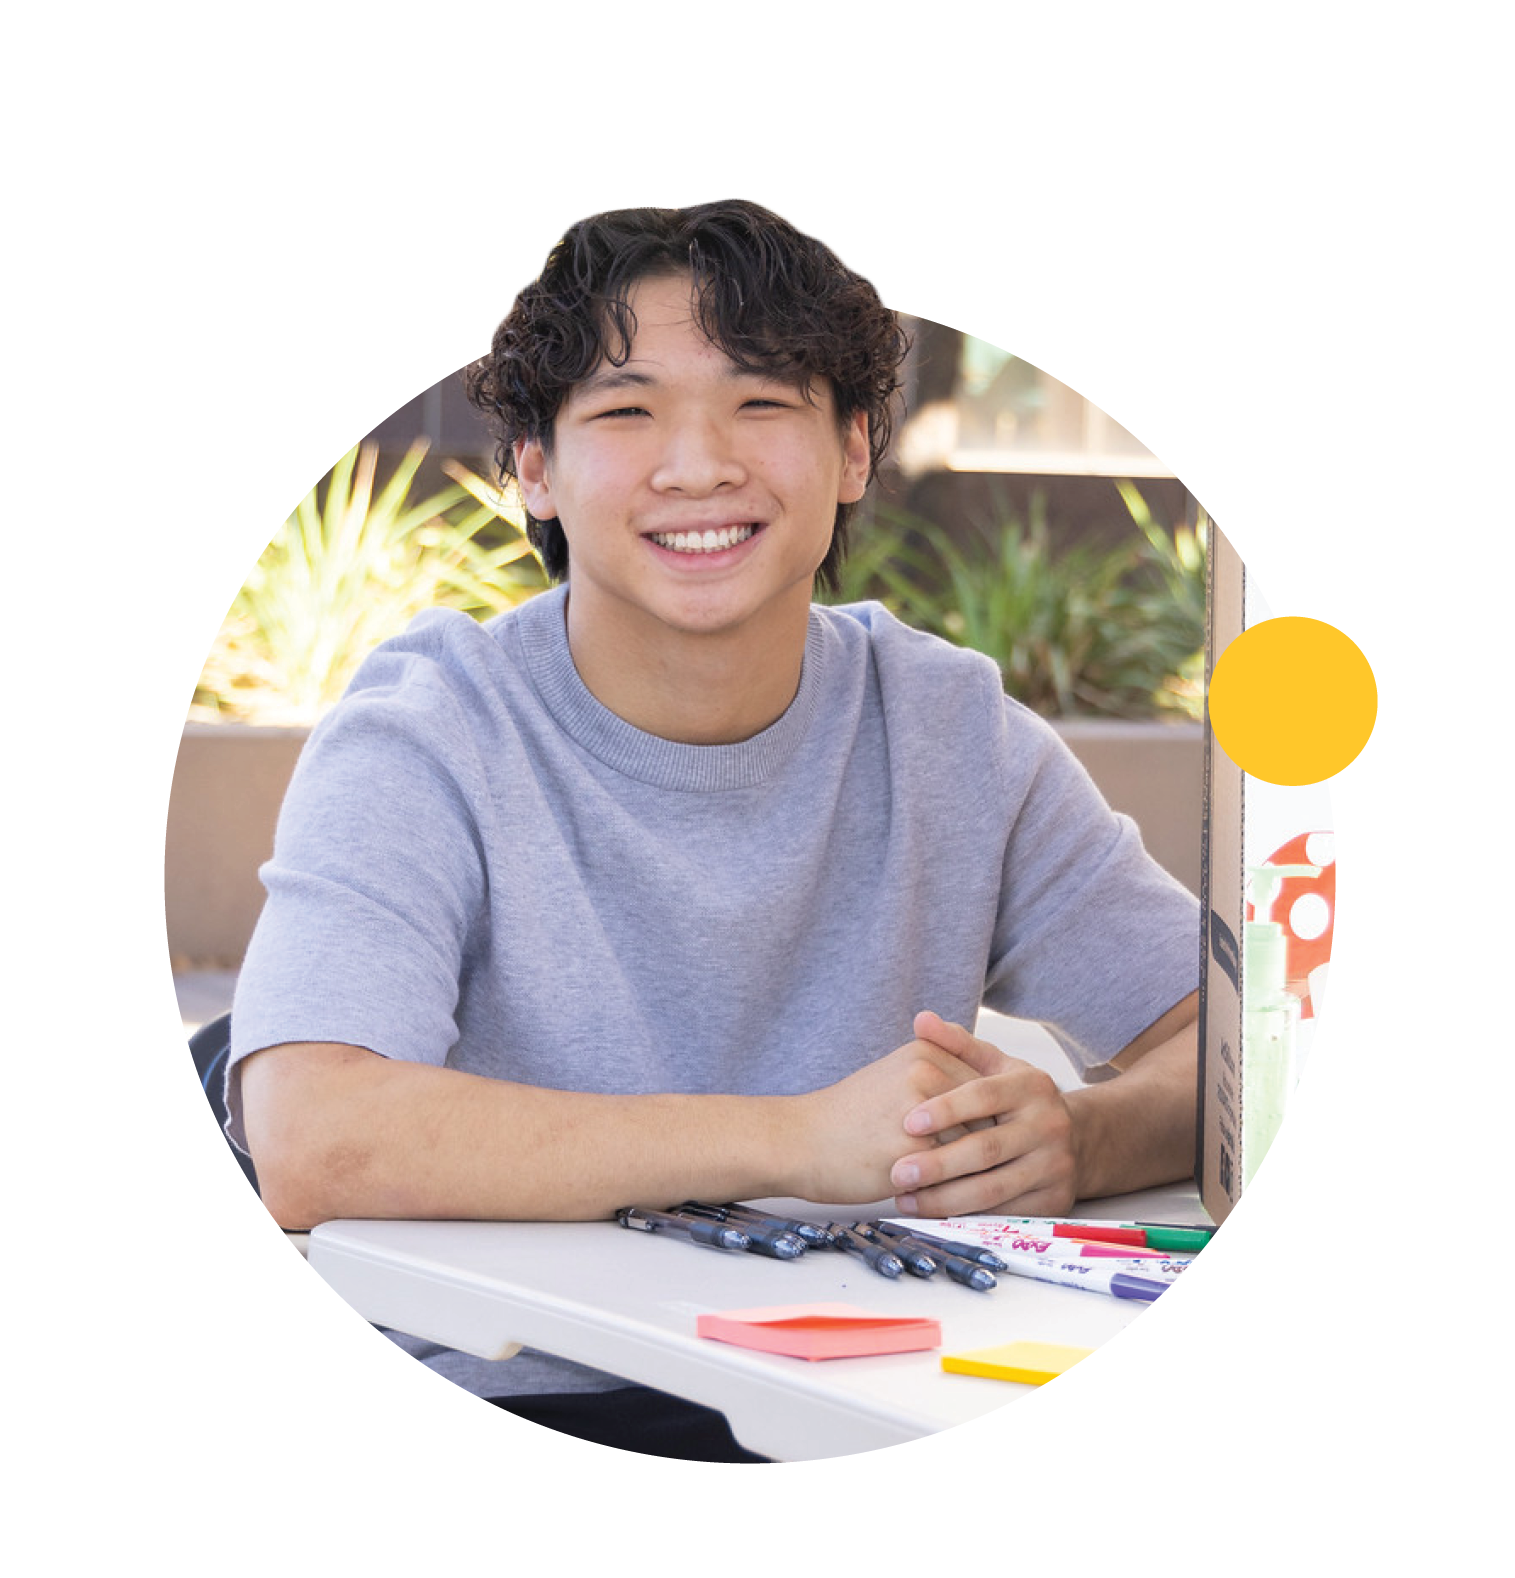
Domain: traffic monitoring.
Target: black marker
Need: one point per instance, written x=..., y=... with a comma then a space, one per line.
x=716, y=1235
x=809, y=1232
x=763, y=1238
x=917, y=1258
x=969, y=1272
x=884, y=1261
x=948, y=1246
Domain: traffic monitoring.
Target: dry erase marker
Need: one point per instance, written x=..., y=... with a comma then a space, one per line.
x=883, y=1261
x=963, y=1248
x=1013, y=1242
x=1085, y=1249
x=811, y=1232
x=741, y=1215
x=961, y=1269
x=1093, y=1232
x=807, y=1232
x=1174, y=1237
x=1141, y=1235
x=917, y=1257
x=763, y=1238
x=1094, y=1276
x=1153, y=1235
x=925, y=1259
x=1180, y=1236
x=1159, y=1268
x=715, y=1235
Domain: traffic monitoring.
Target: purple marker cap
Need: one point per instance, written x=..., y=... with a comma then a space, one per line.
x=1128, y=1287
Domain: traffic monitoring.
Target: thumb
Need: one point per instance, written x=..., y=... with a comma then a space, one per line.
x=980, y=1056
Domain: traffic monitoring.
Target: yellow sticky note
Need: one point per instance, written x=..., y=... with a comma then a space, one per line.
x=1031, y=1362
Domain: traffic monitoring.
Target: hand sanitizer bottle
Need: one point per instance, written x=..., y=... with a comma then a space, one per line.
x=1270, y=1013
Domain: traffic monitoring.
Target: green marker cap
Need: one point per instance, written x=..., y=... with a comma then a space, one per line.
x=1186, y=1240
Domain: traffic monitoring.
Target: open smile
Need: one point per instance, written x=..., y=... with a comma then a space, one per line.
x=702, y=542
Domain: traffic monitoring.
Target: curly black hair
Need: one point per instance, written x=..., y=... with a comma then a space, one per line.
x=773, y=299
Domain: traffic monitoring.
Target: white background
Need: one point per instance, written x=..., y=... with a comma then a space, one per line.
x=1268, y=240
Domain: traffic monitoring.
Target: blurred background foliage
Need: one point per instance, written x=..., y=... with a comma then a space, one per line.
x=352, y=567
x=1087, y=629
x=1005, y=520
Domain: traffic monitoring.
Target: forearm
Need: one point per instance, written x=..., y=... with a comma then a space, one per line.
x=1137, y=1130
x=341, y=1132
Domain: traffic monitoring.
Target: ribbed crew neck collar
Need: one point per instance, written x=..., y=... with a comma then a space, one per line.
x=665, y=764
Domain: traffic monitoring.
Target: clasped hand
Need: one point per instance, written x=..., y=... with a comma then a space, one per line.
x=1003, y=1141
x=949, y=1124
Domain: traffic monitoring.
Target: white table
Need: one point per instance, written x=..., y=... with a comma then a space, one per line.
x=626, y=1302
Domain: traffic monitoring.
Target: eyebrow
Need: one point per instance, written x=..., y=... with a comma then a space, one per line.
x=609, y=380
x=613, y=378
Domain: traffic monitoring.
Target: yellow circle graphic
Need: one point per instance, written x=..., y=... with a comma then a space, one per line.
x=1292, y=701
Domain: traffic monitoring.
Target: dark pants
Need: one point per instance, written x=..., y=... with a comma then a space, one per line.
x=636, y=1419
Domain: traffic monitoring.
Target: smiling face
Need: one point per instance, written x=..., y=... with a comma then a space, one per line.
x=698, y=499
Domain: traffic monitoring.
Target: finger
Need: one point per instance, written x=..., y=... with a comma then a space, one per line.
x=1043, y=1176
x=977, y=1104
x=958, y=1130
x=1045, y=1130
x=1001, y=1193
x=999, y=1098
x=981, y=1056
x=935, y=1070
x=959, y=1158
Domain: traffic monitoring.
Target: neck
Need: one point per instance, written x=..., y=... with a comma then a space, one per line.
x=695, y=689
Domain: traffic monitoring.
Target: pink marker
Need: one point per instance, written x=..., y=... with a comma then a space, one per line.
x=1089, y=1248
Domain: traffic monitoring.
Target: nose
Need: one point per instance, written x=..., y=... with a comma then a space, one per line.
x=699, y=456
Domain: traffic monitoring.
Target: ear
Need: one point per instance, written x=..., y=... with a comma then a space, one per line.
x=532, y=475
x=854, y=481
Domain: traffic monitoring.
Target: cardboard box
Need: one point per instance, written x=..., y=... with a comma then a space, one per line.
x=1222, y=899
x=1249, y=823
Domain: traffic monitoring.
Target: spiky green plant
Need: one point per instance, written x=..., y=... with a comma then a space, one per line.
x=350, y=568
x=1087, y=630
x=1166, y=596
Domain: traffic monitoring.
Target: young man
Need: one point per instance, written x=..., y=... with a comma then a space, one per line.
x=670, y=884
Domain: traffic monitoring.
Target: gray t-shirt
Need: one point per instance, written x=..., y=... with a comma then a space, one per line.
x=478, y=864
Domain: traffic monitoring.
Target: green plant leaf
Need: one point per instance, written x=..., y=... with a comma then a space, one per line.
x=1113, y=631
x=351, y=568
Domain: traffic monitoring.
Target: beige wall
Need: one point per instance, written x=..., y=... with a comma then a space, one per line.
x=230, y=778
x=228, y=783
x=1155, y=774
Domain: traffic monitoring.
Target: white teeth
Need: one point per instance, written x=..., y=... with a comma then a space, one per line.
x=703, y=542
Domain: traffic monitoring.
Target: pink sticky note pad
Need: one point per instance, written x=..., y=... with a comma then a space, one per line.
x=820, y=1331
